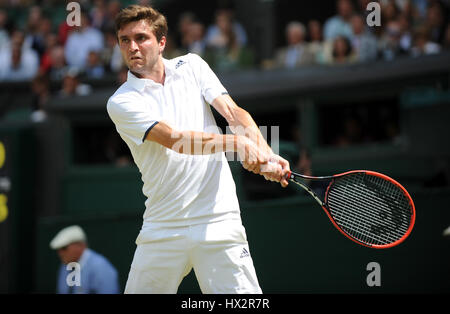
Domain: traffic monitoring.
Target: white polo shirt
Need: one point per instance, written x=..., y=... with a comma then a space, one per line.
x=181, y=189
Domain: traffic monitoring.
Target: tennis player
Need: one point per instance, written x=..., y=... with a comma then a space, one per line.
x=192, y=216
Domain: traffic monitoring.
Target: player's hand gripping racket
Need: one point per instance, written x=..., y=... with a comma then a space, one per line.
x=369, y=208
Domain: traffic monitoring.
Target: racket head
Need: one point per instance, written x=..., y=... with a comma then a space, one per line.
x=370, y=208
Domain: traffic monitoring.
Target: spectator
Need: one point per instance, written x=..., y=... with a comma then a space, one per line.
x=95, y=68
x=389, y=43
x=112, y=9
x=224, y=50
x=316, y=45
x=420, y=7
x=304, y=166
x=192, y=34
x=111, y=57
x=361, y=7
x=405, y=32
x=389, y=11
x=364, y=44
x=339, y=25
x=408, y=10
x=214, y=33
x=81, y=41
x=422, y=44
x=40, y=89
x=446, y=42
x=63, y=32
x=342, y=51
x=99, y=15
x=33, y=38
x=352, y=132
x=195, y=38
x=304, y=163
x=18, y=62
x=171, y=51
x=184, y=22
x=446, y=232
x=58, y=66
x=51, y=41
x=296, y=53
x=435, y=22
x=4, y=36
x=97, y=274
x=71, y=85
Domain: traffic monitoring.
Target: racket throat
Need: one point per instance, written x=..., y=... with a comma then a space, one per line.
x=310, y=191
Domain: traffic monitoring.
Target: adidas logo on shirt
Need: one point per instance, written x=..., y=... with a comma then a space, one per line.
x=179, y=63
x=244, y=253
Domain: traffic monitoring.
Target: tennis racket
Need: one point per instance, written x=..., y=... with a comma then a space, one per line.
x=368, y=207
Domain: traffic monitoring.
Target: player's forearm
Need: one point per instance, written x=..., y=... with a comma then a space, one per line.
x=200, y=143
x=197, y=143
x=240, y=121
x=243, y=124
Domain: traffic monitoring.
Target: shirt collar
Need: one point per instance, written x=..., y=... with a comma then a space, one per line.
x=139, y=83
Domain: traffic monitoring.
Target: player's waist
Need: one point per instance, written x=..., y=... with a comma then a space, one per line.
x=173, y=221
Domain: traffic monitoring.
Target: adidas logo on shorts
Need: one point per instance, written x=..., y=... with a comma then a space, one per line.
x=244, y=253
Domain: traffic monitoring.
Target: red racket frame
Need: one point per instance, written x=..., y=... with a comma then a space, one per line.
x=373, y=173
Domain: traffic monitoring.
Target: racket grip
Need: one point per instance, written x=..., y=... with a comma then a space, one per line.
x=288, y=175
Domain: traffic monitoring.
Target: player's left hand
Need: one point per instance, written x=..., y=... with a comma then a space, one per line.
x=276, y=169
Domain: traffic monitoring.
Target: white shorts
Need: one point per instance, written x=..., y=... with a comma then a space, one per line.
x=218, y=252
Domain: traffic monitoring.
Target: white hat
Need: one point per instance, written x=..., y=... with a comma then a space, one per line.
x=446, y=232
x=67, y=236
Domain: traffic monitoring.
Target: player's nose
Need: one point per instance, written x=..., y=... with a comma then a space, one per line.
x=133, y=46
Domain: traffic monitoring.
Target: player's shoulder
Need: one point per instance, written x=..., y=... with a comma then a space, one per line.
x=190, y=59
x=123, y=95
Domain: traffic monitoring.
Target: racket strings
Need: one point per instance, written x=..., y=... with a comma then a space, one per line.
x=373, y=203
x=369, y=208
x=369, y=232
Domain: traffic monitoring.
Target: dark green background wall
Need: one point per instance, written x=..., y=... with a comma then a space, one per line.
x=294, y=247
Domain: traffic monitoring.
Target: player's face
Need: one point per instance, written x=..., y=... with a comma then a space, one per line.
x=71, y=252
x=140, y=49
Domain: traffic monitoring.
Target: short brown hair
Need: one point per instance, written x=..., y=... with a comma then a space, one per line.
x=134, y=13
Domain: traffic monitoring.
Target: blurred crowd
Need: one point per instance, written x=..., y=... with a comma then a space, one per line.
x=37, y=44
x=408, y=28
x=41, y=46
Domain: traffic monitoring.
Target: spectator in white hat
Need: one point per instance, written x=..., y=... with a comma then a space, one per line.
x=97, y=275
x=446, y=232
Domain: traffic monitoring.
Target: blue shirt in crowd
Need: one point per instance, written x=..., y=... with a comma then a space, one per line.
x=97, y=276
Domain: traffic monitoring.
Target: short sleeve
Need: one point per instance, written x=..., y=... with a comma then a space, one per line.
x=133, y=121
x=209, y=83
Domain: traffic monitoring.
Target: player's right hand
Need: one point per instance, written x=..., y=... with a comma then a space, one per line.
x=251, y=155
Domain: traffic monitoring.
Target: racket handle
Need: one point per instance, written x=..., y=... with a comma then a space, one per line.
x=288, y=175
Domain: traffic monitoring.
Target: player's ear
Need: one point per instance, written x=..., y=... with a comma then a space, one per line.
x=162, y=44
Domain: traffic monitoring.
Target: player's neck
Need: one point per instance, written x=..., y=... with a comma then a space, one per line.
x=156, y=74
